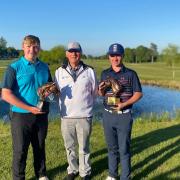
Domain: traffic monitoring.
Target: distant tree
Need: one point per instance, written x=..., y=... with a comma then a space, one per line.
x=89, y=56
x=129, y=55
x=143, y=54
x=154, y=52
x=104, y=56
x=1, y=53
x=12, y=52
x=3, y=43
x=54, y=56
x=83, y=56
x=148, y=55
x=57, y=54
x=45, y=56
x=170, y=54
x=21, y=53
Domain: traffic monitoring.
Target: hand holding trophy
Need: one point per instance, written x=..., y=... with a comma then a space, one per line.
x=112, y=98
x=46, y=91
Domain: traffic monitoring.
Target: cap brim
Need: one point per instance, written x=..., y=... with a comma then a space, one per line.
x=74, y=50
x=113, y=53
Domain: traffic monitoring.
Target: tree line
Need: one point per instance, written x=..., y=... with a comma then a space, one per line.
x=140, y=54
x=7, y=52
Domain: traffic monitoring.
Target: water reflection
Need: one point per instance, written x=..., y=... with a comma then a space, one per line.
x=158, y=100
x=155, y=100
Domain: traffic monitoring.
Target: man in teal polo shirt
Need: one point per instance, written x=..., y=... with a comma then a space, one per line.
x=28, y=123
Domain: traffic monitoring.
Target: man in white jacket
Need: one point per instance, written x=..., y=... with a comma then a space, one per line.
x=77, y=83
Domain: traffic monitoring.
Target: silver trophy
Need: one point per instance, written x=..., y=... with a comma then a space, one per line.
x=46, y=93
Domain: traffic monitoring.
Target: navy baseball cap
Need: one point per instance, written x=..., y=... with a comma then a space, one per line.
x=74, y=46
x=116, y=49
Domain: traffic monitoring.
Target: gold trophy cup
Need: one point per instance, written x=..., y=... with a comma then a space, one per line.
x=113, y=97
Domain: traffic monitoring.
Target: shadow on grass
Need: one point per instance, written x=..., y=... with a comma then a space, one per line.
x=153, y=138
x=100, y=161
x=51, y=173
x=54, y=171
x=101, y=164
x=165, y=175
x=139, y=144
x=97, y=167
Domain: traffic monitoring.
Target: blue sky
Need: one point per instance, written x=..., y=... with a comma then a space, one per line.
x=94, y=23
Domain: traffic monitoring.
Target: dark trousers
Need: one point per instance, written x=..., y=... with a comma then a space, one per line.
x=117, y=130
x=27, y=128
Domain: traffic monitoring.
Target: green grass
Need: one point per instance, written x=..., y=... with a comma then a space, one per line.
x=155, y=144
x=146, y=71
x=150, y=73
x=3, y=65
x=155, y=151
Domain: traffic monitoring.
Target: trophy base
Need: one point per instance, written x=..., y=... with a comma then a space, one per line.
x=113, y=101
x=43, y=106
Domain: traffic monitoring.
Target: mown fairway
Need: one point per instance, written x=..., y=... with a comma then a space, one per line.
x=148, y=72
x=155, y=152
x=3, y=65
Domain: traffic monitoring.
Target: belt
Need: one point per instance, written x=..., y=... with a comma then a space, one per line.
x=118, y=112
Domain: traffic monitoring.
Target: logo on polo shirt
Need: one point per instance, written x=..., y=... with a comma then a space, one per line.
x=122, y=78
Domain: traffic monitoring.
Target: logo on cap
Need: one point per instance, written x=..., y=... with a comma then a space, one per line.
x=115, y=48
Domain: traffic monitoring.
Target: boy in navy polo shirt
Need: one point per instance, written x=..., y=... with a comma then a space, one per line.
x=28, y=124
x=117, y=118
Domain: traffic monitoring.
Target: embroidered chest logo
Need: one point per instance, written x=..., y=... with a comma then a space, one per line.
x=122, y=78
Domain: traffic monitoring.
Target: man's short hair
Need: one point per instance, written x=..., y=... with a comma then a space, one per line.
x=31, y=39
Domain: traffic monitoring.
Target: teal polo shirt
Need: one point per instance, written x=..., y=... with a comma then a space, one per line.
x=24, y=78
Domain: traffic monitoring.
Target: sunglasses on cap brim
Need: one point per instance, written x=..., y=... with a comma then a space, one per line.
x=113, y=55
x=74, y=50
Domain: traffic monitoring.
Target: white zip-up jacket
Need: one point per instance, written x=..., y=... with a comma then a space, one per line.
x=76, y=97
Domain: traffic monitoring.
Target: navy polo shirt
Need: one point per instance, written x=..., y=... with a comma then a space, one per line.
x=24, y=78
x=129, y=81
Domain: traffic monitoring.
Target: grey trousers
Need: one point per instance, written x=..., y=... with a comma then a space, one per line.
x=76, y=132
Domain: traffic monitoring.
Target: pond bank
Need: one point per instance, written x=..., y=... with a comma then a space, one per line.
x=156, y=101
x=165, y=84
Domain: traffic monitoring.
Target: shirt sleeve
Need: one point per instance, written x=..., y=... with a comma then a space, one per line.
x=95, y=85
x=56, y=78
x=9, y=78
x=136, y=83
